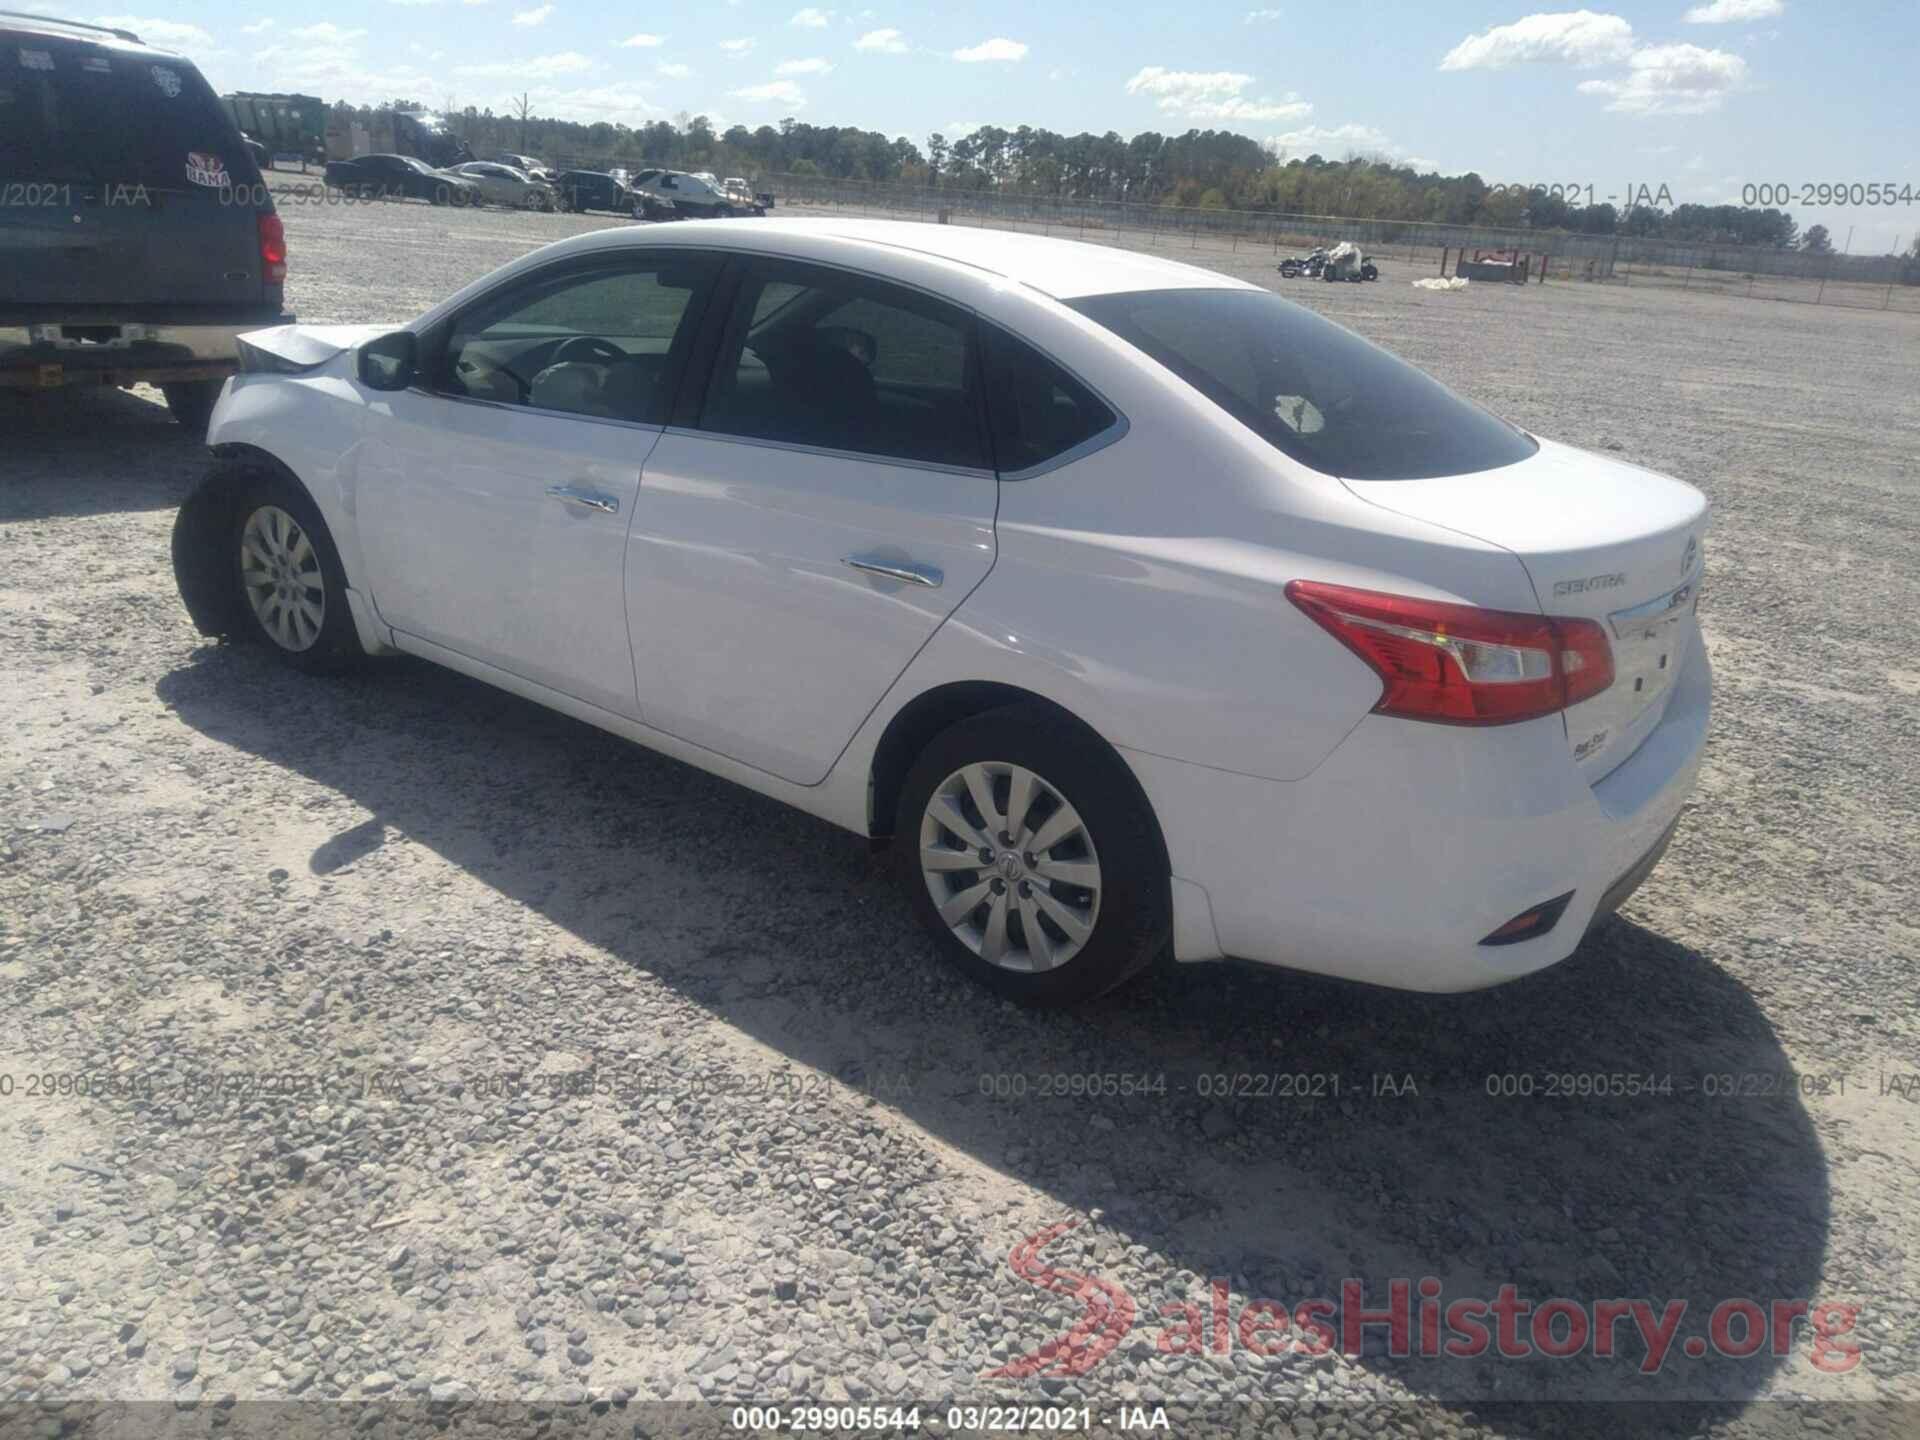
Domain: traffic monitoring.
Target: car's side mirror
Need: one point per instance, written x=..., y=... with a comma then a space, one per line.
x=390, y=362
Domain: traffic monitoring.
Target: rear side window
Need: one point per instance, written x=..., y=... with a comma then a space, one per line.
x=1039, y=411
x=812, y=356
x=1310, y=388
x=80, y=114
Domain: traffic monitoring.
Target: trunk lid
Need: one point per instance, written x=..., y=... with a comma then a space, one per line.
x=1600, y=539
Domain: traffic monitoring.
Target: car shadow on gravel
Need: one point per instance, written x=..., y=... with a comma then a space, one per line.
x=91, y=450
x=1616, y=1127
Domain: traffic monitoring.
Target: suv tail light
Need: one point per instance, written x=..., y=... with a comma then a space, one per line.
x=1459, y=664
x=273, y=250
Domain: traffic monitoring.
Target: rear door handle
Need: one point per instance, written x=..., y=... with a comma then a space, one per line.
x=589, y=498
x=910, y=574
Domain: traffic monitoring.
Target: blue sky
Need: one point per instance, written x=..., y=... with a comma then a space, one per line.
x=1703, y=98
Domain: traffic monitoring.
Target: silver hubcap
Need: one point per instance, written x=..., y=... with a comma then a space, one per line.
x=280, y=571
x=1010, y=866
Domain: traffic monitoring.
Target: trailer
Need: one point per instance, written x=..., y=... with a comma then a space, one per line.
x=1502, y=267
x=291, y=128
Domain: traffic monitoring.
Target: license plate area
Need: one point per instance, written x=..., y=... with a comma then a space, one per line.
x=1649, y=644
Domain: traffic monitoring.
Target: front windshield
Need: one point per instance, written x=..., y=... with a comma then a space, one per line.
x=1309, y=387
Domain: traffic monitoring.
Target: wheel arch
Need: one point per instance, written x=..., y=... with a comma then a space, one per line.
x=914, y=726
x=201, y=530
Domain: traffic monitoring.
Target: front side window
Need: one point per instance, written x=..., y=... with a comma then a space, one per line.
x=595, y=342
x=818, y=357
x=1310, y=388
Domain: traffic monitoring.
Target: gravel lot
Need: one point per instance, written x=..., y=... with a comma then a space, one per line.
x=440, y=911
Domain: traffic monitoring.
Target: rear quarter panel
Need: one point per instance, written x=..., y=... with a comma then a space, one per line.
x=1143, y=586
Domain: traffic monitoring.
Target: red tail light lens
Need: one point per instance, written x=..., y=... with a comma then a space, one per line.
x=1459, y=664
x=273, y=249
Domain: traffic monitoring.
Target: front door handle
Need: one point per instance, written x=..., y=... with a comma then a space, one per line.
x=589, y=498
x=910, y=574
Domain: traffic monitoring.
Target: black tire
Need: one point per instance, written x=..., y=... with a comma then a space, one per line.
x=1132, y=923
x=336, y=646
x=191, y=403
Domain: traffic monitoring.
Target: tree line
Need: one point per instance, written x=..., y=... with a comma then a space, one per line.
x=1205, y=169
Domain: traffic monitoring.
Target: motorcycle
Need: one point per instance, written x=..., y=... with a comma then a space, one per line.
x=1309, y=265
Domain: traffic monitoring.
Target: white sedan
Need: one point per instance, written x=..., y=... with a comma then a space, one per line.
x=505, y=185
x=1139, y=608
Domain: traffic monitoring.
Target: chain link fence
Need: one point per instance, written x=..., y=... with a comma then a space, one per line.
x=1424, y=248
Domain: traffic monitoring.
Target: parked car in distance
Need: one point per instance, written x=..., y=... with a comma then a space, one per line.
x=1135, y=605
x=402, y=177
x=525, y=164
x=504, y=185
x=678, y=195
x=137, y=240
x=742, y=197
x=592, y=190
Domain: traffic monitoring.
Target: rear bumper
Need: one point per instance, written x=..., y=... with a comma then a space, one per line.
x=49, y=354
x=1411, y=843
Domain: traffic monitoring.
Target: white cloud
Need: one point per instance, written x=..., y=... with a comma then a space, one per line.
x=1722, y=12
x=784, y=91
x=1182, y=86
x=882, y=42
x=673, y=69
x=1672, y=80
x=1213, y=95
x=537, y=67
x=324, y=33
x=1260, y=17
x=1340, y=141
x=1266, y=111
x=642, y=41
x=998, y=48
x=622, y=103
x=802, y=67
x=165, y=34
x=811, y=19
x=259, y=27
x=536, y=16
x=1577, y=37
x=738, y=47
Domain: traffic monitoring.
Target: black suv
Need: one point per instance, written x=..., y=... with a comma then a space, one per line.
x=137, y=238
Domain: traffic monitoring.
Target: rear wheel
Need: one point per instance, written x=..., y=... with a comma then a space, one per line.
x=191, y=403
x=291, y=583
x=1032, y=857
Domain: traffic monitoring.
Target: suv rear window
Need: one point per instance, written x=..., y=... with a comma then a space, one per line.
x=83, y=114
x=1312, y=389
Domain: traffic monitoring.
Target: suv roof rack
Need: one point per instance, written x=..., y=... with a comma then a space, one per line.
x=71, y=24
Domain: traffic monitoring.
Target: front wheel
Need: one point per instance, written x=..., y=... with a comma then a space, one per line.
x=293, y=589
x=1032, y=857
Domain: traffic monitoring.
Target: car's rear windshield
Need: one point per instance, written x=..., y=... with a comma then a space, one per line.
x=85, y=114
x=1309, y=387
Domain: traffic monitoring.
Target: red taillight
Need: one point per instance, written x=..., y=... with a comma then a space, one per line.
x=1459, y=664
x=273, y=250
